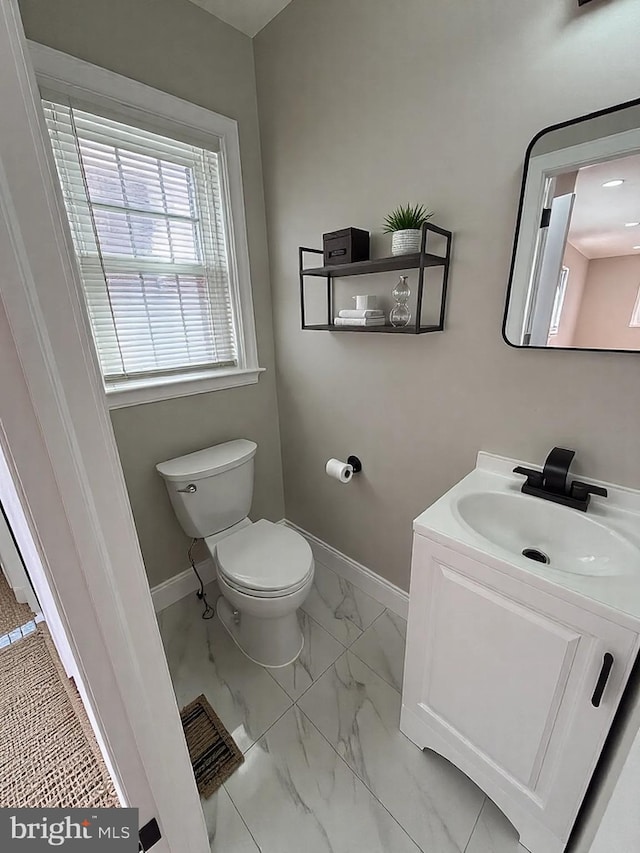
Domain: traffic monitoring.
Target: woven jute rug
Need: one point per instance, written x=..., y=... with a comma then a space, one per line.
x=12, y=614
x=213, y=752
x=49, y=757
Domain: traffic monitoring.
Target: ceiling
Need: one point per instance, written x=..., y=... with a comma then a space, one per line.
x=599, y=213
x=248, y=16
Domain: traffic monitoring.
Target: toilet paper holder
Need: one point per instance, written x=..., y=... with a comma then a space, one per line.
x=341, y=471
x=355, y=463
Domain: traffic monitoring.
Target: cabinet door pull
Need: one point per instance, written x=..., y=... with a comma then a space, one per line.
x=605, y=672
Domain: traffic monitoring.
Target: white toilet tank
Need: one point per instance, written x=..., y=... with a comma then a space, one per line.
x=211, y=489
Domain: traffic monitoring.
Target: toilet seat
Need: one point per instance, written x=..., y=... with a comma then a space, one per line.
x=261, y=593
x=265, y=560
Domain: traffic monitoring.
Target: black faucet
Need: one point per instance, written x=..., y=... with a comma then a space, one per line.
x=552, y=484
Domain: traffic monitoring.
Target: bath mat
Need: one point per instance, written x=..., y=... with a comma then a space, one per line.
x=213, y=752
x=49, y=757
x=12, y=614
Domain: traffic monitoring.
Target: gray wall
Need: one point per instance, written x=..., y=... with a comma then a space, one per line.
x=177, y=47
x=365, y=105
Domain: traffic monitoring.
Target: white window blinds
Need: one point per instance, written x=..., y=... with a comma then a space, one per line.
x=146, y=216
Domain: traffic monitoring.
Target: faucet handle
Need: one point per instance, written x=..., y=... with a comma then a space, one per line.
x=534, y=478
x=581, y=491
x=556, y=470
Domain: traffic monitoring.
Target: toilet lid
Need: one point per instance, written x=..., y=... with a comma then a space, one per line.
x=265, y=556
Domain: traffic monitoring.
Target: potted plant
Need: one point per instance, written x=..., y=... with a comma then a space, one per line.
x=405, y=224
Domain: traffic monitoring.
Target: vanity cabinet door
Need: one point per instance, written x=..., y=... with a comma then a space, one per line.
x=500, y=677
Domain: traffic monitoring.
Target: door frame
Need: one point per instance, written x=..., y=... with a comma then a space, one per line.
x=58, y=444
x=12, y=566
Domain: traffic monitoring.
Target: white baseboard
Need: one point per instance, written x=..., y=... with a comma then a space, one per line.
x=177, y=587
x=383, y=591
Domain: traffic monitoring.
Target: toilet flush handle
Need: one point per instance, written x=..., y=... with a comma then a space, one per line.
x=190, y=489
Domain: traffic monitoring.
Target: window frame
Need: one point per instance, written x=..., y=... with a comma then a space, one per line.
x=126, y=100
x=634, y=322
x=558, y=301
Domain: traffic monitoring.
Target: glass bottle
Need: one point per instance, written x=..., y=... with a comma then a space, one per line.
x=400, y=314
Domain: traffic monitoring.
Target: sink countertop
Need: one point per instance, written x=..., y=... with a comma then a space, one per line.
x=620, y=512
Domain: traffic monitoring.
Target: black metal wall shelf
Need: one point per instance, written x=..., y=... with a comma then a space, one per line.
x=399, y=262
x=420, y=261
x=393, y=330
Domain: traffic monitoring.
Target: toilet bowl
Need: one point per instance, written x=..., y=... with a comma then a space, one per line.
x=264, y=570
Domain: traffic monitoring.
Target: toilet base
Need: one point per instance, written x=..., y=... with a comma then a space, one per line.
x=272, y=643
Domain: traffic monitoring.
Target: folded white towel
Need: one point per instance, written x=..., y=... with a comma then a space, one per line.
x=359, y=321
x=361, y=313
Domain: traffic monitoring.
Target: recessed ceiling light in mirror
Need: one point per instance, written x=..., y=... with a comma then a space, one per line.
x=631, y=224
x=617, y=183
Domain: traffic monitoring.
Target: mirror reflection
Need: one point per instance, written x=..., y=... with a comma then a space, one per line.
x=575, y=279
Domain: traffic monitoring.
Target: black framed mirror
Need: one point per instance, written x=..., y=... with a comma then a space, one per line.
x=575, y=270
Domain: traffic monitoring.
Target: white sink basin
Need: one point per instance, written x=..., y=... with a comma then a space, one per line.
x=592, y=555
x=571, y=541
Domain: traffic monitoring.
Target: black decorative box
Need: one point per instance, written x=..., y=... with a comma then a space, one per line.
x=346, y=246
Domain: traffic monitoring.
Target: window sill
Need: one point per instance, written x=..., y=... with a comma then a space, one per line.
x=137, y=392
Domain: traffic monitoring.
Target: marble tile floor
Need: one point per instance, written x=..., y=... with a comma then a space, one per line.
x=326, y=768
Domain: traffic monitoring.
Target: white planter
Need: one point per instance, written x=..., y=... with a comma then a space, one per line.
x=406, y=242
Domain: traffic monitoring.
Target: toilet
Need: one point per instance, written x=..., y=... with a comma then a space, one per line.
x=265, y=570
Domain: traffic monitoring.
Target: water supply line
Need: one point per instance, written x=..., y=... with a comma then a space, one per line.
x=208, y=612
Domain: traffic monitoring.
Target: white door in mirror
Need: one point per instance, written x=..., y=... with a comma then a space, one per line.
x=550, y=268
x=514, y=685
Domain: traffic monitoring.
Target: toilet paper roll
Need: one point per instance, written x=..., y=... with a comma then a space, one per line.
x=340, y=471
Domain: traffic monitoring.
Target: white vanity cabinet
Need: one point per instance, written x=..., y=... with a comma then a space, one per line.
x=500, y=676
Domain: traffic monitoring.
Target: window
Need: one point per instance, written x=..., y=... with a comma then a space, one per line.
x=558, y=301
x=635, y=315
x=163, y=263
